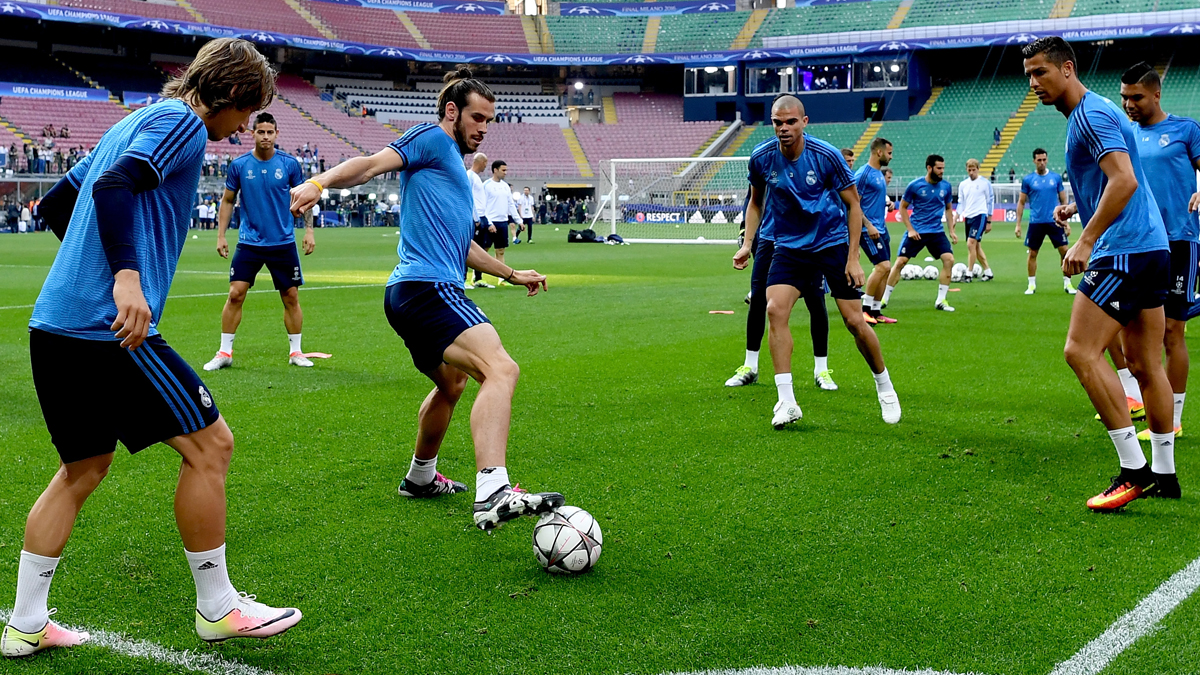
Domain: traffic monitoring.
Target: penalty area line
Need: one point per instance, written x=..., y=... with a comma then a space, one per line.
x=212, y=664
x=819, y=670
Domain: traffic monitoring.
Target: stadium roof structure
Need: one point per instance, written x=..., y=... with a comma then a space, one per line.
x=1098, y=27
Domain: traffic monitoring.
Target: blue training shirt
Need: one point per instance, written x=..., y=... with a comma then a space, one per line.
x=77, y=297
x=801, y=203
x=1095, y=128
x=1169, y=151
x=1042, y=195
x=437, y=208
x=928, y=202
x=266, y=217
x=872, y=192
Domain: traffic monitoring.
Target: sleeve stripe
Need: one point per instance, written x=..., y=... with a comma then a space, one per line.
x=177, y=138
x=1090, y=136
x=410, y=137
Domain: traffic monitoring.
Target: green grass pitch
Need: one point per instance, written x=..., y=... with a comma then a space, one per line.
x=956, y=540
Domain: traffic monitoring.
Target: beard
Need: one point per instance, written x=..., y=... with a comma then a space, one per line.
x=461, y=138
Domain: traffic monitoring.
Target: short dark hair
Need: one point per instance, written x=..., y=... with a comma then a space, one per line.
x=1142, y=73
x=879, y=142
x=847, y=152
x=933, y=159
x=265, y=118
x=1040, y=151
x=498, y=163
x=460, y=84
x=1056, y=50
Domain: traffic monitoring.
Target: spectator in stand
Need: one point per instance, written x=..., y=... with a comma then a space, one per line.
x=64, y=132
x=541, y=210
x=1012, y=174
x=58, y=161
x=228, y=161
x=321, y=163
x=26, y=217
x=996, y=136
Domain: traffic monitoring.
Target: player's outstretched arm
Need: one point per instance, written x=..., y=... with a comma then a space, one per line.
x=310, y=240
x=854, y=270
x=223, y=216
x=352, y=172
x=752, y=219
x=478, y=259
x=1020, y=212
x=912, y=234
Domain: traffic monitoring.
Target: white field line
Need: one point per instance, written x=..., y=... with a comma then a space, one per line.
x=210, y=663
x=1141, y=620
x=225, y=293
x=819, y=670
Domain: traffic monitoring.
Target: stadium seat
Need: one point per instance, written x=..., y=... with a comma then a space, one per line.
x=698, y=32
x=831, y=18
x=597, y=34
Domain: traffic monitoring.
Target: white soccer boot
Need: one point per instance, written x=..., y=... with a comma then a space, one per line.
x=785, y=414
x=221, y=360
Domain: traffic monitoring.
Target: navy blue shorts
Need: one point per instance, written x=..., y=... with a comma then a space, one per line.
x=482, y=236
x=937, y=243
x=1037, y=233
x=975, y=226
x=94, y=393
x=764, y=253
x=1181, y=296
x=429, y=315
x=809, y=271
x=877, y=250
x=500, y=236
x=1124, y=285
x=283, y=262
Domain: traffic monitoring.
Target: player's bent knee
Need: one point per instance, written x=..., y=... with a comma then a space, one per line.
x=86, y=474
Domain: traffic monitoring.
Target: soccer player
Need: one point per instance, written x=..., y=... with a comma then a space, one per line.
x=798, y=186
x=1169, y=147
x=525, y=207
x=103, y=372
x=266, y=236
x=848, y=155
x=448, y=337
x=1124, y=249
x=929, y=197
x=1043, y=191
x=975, y=203
x=875, y=240
x=483, y=232
x=500, y=208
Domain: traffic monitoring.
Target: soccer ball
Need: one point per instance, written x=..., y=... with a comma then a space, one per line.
x=931, y=272
x=911, y=272
x=958, y=272
x=977, y=270
x=567, y=541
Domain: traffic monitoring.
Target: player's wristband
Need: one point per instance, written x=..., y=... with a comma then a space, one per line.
x=510, y=275
x=314, y=182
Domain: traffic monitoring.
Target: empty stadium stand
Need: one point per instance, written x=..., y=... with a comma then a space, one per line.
x=364, y=133
x=957, y=12
x=115, y=73
x=267, y=15
x=831, y=18
x=150, y=10
x=529, y=149
x=363, y=24
x=651, y=125
x=699, y=32
x=473, y=33
x=597, y=35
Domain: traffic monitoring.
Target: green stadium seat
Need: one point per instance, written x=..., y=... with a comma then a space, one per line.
x=597, y=34
x=699, y=32
x=958, y=12
x=825, y=19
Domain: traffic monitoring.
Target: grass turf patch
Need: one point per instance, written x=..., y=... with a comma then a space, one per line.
x=955, y=540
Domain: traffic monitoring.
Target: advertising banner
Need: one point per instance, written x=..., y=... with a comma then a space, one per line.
x=643, y=8
x=439, y=6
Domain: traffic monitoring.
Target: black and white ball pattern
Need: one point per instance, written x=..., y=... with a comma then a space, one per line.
x=567, y=541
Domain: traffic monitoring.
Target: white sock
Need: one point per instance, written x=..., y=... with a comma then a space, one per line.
x=294, y=343
x=488, y=480
x=752, y=360
x=873, y=303
x=227, y=342
x=883, y=382
x=783, y=383
x=942, y=290
x=1033, y=280
x=33, y=588
x=1130, y=384
x=1066, y=281
x=1178, y=398
x=1128, y=448
x=1162, y=452
x=887, y=293
x=215, y=596
x=820, y=364
x=422, y=471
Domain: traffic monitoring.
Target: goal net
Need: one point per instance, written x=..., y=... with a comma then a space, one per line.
x=690, y=200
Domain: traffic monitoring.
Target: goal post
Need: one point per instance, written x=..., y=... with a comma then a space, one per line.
x=674, y=200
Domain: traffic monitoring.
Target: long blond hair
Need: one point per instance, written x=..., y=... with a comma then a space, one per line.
x=228, y=72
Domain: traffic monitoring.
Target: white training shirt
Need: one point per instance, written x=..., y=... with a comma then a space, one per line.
x=525, y=205
x=477, y=192
x=499, y=204
x=975, y=197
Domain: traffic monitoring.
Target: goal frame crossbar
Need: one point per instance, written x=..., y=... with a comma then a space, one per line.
x=610, y=198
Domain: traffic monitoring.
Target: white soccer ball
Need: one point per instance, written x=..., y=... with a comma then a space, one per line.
x=567, y=541
x=931, y=272
x=910, y=272
x=977, y=270
x=958, y=272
